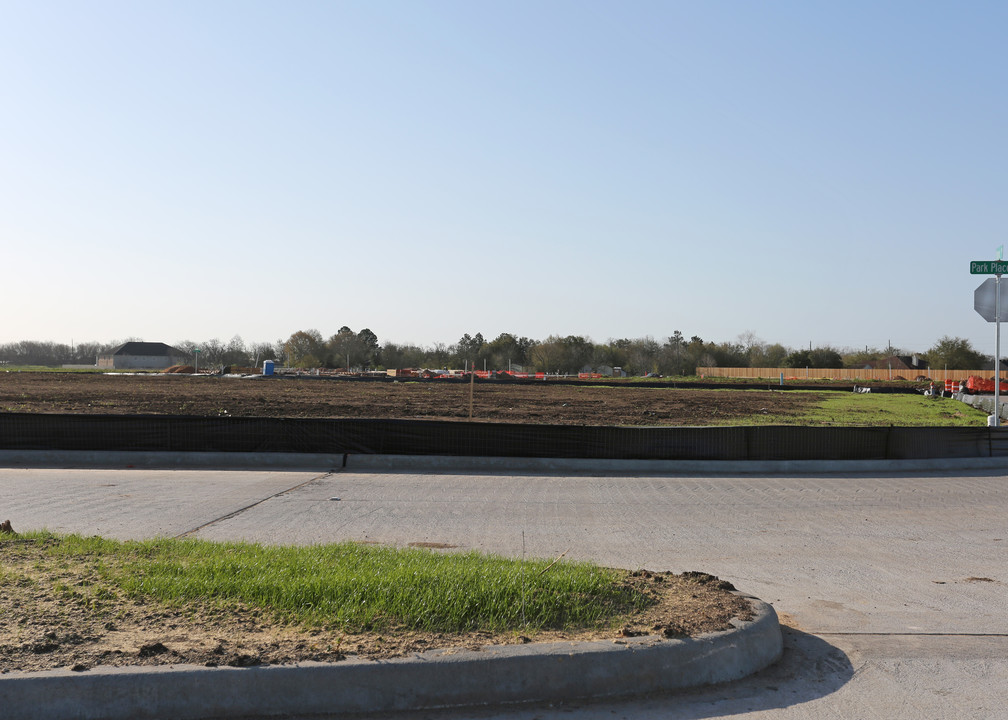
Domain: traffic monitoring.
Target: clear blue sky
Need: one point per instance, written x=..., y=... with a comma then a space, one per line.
x=807, y=171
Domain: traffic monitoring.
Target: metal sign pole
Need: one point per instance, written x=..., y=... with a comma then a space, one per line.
x=989, y=309
x=997, y=351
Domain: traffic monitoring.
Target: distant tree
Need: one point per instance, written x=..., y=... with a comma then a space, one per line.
x=547, y=355
x=957, y=353
x=86, y=353
x=674, y=354
x=396, y=356
x=681, y=357
x=753, y=348
x=367, y=347
x=576, y=352
x=187, y=347
x=351, y=349
x=825, y=357
x=22, y=353
x=303, y=348
x=340, y=349
x=728, y=354
x=469, y=350
x=798, y=359
x=212, y=354
x=615, y=353
x=773, y=355
x=697, y=355
x=561, y=354
x=862, y=358
x=506, y=350
x=643, y=356
x=439, y=355
x=262, y=351
x=820, y=357
x=235, y=353
x=759, y=354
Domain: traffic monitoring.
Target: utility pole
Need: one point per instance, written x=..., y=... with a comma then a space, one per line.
x=472, y=384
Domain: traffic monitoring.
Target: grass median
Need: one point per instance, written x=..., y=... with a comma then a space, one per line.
x=847, y=409
x=79, y=602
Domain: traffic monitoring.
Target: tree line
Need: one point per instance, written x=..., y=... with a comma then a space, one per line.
x=359, y=350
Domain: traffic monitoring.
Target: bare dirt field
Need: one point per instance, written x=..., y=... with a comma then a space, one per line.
x=540, y=403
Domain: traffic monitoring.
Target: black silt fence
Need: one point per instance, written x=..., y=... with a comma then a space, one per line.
x=163, y=433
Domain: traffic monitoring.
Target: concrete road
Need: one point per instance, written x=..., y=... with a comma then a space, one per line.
x=894, y=584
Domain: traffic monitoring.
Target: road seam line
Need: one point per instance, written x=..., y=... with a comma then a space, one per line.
x=239, y=511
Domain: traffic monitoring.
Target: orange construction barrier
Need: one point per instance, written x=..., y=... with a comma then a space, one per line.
x=952, y=386
x=979, y=385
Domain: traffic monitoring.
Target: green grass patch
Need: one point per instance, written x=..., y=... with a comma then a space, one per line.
x=348, y=586
x=878, y=409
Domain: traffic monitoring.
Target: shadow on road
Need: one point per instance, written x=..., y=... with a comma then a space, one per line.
x=810, y=669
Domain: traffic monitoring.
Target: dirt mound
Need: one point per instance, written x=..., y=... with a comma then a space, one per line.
x=184, y=369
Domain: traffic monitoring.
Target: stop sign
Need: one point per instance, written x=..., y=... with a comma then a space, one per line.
x=985, y=299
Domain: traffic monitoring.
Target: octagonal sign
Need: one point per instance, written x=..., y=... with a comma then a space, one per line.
x=985, y=299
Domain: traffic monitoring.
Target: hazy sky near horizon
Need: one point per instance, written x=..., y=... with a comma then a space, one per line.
x=806, y=171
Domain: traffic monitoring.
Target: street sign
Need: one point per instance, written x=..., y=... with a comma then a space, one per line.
x=989, y=301
x=988, y=267
x=985, y=299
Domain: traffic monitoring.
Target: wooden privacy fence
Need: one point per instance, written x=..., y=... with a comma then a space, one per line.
x=939, y=375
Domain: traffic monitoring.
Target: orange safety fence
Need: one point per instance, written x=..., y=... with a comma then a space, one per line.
x=982, y=385
x=936, y=374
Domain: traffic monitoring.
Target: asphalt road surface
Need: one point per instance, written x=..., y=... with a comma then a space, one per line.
x=894, y=587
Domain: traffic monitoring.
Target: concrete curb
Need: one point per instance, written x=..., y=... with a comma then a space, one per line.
x=434, y=463
x=149, y=460
x=495, y=675
x=445, y=463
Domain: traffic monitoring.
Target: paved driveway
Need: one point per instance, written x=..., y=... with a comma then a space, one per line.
x=895, y=584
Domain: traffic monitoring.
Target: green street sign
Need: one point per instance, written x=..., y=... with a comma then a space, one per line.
x=988, y=267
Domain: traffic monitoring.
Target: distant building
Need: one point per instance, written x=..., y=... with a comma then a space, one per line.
x=899, y=362
x=142, y=356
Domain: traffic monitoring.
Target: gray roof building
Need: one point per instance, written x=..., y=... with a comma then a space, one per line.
x=142, y=356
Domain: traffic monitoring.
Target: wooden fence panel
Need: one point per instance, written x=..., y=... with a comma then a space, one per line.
x=844, y=373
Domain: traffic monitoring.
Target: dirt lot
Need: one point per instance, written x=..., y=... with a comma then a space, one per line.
x=312, y=397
